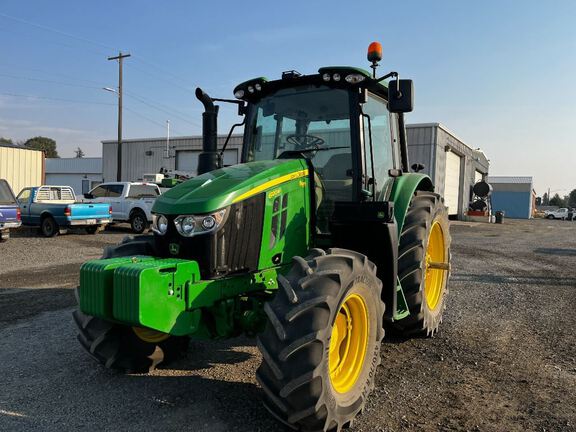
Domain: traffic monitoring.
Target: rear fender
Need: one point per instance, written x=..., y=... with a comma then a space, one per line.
x=402, y=192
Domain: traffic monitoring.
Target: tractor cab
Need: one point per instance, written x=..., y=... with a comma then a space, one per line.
x=339, y=120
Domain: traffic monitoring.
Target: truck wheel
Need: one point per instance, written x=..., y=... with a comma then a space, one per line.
x=423, y=264
x=125, y=348
x=92, y=229
x=321, y=345
x=550, y=217
x=138, y=222
x=49, y=227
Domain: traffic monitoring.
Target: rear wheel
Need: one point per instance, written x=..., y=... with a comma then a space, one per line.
x=92, y=229
x=550, y=217
x=321, y=345
x=138, y=221
x=49, y=227
x=423, y=264
x=126, y=348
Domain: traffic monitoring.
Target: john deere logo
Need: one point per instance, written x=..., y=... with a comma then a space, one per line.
x=174, y=248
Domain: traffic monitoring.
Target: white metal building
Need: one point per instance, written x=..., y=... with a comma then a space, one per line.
x=453, y=165
x=21, y=167
x=82, y=174
x=148, y=155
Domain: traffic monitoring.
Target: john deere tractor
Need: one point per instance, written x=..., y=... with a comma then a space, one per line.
x=319, y=240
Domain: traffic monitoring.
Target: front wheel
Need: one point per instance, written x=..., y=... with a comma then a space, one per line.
x=124, y=348
x=321, y=345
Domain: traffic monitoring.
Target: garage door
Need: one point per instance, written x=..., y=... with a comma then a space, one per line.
x=452, y=182
x=187, y=160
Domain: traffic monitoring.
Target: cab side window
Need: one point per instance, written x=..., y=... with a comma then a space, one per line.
x=99, y=192
x=23, y=196
x=376, y=126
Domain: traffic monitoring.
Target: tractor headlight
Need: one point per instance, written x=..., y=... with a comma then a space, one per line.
x=191, y=225
x=159, y=224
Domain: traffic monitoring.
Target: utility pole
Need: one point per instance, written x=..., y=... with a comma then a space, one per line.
x=119, y=57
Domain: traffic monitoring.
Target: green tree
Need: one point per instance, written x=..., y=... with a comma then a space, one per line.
x=556, y=200
x=545, y=199
x=79, y=153
x=572, y=198
x=5, y=140
x=47, y=145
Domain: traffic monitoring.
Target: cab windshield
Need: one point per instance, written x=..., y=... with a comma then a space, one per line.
x=307, y=121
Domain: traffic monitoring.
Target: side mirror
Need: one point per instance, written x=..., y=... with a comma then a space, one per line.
x=400, y=96
x=88, y=196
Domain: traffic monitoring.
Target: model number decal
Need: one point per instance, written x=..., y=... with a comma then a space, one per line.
x=274, y=193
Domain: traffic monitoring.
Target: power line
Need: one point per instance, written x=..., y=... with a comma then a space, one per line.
x=151, y=120
x=48, y=81
x=131, y=95
x=56, y=99
x=53, y=30
x=60, y=74
x=160, y=77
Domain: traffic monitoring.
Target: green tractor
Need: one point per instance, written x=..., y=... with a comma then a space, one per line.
x=319, y=240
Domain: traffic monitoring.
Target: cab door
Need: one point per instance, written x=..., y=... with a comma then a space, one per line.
x=378, y=150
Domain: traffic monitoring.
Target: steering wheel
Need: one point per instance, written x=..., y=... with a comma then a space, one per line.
x=304, y=141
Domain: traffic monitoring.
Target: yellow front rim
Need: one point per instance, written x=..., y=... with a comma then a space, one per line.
x=348, y=343
x=149, y=335
x=434, y=278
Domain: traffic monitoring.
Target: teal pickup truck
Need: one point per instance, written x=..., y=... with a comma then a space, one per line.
x=54, y=208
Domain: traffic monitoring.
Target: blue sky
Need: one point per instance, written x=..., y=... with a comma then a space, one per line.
x=499, y=74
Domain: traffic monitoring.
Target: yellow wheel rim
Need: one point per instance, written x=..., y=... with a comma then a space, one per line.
x=434, y=278
x=348, y=343
x=149, y=335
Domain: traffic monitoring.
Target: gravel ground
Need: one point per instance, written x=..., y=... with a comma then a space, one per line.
x=504, y=360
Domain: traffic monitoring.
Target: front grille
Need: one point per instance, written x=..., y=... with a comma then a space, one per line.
x=233, y=248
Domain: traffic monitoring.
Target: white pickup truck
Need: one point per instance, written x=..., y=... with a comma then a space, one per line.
x=130, y=201
x=561, y=213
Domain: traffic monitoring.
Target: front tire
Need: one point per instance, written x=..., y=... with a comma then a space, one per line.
x=321, y=345
x=125, y=348
x=423, y=247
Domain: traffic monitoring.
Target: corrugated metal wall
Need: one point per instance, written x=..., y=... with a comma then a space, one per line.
x=146, y=156
x=515, y=205
x=21, y=167
x=428, y=144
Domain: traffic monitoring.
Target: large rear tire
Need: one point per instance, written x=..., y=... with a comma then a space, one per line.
x=125, y=348
x=424, y=246
x=321, y=345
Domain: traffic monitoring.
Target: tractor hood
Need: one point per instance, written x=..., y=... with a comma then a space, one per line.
x=220, y=188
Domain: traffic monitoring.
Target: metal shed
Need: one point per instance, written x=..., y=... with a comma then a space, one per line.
x=148, y=155
x=21, y=167
x=82, y=174
x=453, y=165
x=513, y=196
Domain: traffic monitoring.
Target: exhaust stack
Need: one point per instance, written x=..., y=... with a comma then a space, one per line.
x=209, y=158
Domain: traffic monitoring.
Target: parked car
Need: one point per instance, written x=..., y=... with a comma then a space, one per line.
x=9, y=211
x=130, y=201
x=561, y=213
x=52, y=208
